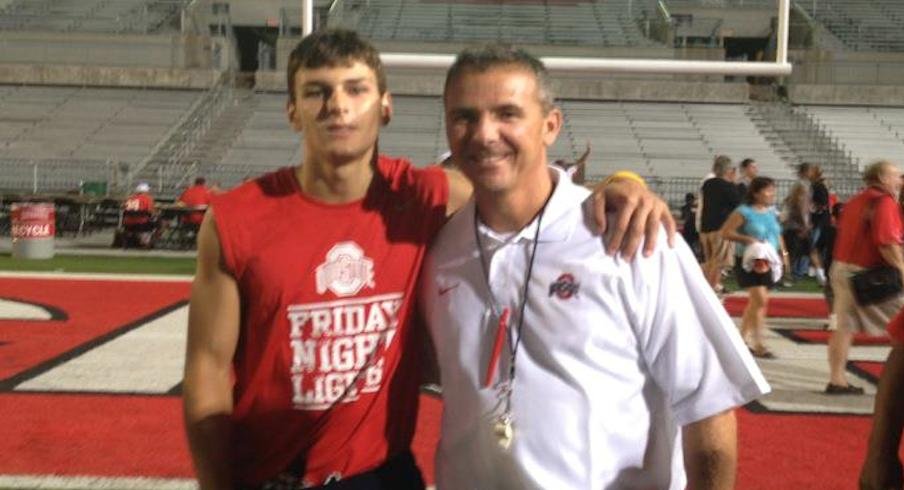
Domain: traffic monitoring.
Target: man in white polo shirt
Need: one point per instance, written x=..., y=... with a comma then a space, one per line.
x=562, y=366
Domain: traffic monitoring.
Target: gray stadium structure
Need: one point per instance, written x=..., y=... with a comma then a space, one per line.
x=111, y=92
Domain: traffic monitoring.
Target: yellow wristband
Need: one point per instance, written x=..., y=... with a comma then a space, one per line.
x=625, y=175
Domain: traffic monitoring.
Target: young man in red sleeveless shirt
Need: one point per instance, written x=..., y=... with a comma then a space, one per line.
x=302, y=365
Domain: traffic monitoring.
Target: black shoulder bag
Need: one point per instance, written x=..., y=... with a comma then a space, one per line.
x=876, y=284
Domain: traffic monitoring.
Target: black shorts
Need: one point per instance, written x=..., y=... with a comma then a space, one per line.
x=399, y=472
x=752, y=279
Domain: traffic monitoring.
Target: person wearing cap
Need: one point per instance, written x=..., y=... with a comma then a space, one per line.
x=753, y=225
x=138, y=214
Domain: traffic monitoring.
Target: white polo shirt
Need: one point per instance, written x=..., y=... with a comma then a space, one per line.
x=612, y=360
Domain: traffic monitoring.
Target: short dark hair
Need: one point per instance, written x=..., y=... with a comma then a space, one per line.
x=746, y=162
x=200, y=181
x=333, y=47
x=803, y=169
x=482, y=59
x=756, y=185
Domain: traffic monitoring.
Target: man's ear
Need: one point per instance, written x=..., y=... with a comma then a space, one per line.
x=552, y=125
x=385, y=108
x=290, y=115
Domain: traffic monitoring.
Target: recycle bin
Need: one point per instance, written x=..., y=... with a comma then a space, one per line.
x=33, y=230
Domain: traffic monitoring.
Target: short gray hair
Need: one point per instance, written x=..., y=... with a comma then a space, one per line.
x=721, y=165
x=482, y=59
x=872, y=174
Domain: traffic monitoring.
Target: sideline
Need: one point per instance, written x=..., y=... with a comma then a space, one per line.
x=105, y=276
x=95, y=482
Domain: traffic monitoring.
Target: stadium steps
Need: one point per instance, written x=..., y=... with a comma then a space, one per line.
x=224, y=130
x=809, y=142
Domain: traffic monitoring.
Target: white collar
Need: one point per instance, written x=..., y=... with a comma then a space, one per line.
x=562, y=200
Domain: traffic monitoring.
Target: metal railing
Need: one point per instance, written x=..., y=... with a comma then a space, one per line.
x=112, y=16
x=811, y=142
x=167, y=165
x=610, y=23
x=36, y=176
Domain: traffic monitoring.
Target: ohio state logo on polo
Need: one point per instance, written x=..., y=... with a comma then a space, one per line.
x=337, y=345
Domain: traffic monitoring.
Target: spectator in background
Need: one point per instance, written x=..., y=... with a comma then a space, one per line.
x=720, y=198
x=820, y=219
x=197, y=196
x=749, y=171
x=689, y=224
x=138, y=216
x=577, y=168
x=869, y=235
x=826, y=245
x=755, y=223
x=796, y=221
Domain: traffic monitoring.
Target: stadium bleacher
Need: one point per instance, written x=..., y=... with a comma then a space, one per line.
x=869, y=134
x=245, y=133
x=862, y=25
x=144, y=16
x=571, y=23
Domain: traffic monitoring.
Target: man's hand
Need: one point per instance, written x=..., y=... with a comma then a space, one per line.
x=638, y=214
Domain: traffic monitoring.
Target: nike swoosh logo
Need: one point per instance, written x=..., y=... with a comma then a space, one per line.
x=445, y=290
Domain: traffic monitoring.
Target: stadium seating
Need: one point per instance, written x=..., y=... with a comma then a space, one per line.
x=867, y=133
x=92, y=128
x=668, y=140
x=607, y=23
x=144, y=16
x=862, y=25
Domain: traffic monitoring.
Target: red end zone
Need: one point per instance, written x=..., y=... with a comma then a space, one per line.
x=108, y=435
x=93, y=308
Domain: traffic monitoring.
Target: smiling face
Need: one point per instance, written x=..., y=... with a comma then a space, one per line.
x=498, y=128
x=338, y=110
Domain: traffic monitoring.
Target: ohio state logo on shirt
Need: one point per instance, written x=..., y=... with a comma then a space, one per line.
x=345, y=271
x=564, y=287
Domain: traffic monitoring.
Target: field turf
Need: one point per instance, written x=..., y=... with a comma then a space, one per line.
x=82, y=263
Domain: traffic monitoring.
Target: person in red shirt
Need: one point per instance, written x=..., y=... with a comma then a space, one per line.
x=302, y=363
x=138, y=212
x=197, y=196
x=869, y=234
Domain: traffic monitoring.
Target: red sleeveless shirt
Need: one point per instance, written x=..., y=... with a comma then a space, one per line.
x=327, y=297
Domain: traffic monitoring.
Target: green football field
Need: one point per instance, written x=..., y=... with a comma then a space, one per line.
x=186, y=266
x=118, y=264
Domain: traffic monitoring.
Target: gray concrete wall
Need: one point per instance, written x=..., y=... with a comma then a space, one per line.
x=29, y=74
x=160, y=51
x=831, y=67
x=426, y=82
x=859, y=95
x=736, y=21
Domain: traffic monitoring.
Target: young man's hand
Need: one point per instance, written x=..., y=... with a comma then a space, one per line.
x=638, y=214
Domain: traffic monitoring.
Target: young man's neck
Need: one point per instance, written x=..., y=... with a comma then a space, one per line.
x=511, y=211
x=335, y=183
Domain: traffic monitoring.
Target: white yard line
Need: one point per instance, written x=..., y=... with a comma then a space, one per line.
x=96, y=482
x=95, y=276
x=148, y=359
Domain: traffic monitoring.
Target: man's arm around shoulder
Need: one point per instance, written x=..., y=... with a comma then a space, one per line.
x=711, y=452
x=213, y=328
